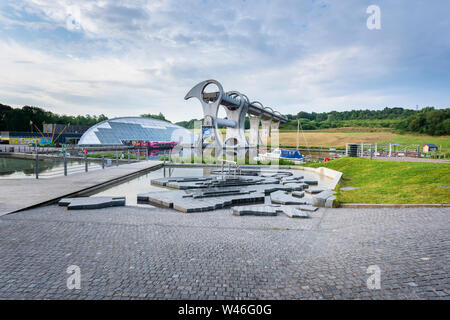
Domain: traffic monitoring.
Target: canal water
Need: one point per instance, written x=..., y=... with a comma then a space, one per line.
x=15, y=168
x=141, y=184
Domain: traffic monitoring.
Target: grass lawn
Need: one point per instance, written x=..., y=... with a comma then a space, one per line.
x=391, y=181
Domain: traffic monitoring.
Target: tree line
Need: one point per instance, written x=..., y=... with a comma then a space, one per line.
x=22, y=119
x=425, y=121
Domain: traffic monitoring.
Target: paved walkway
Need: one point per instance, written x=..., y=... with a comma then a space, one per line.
x=154, y=253
x=18, y=194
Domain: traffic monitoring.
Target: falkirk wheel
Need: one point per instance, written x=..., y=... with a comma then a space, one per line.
x=237, y=106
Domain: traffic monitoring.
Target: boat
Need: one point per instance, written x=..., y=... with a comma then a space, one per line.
x=285, y=154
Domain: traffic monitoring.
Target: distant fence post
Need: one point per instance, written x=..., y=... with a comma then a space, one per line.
x=36, y=166
x=65, y=164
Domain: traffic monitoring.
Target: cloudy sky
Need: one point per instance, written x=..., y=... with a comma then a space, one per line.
x=132, y=57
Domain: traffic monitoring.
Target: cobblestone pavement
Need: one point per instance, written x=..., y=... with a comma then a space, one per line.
x=153, y=253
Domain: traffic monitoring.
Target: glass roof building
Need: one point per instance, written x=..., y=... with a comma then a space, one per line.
x=122, y=131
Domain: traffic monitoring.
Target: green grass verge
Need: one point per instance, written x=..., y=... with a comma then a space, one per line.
x=391, y=181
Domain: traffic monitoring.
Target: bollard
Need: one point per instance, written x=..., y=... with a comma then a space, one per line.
x=103, y=161
x=164, y=156
x=85, y=163
x=117, y=158
x=139, y=154
x=146, y=154
x=128, y=156
x=65, y=164
x=36, y=167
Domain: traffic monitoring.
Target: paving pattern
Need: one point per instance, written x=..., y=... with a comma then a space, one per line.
x=157, y=253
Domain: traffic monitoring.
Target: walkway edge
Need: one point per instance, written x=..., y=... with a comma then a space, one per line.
x=407, y=205
x=89, y=190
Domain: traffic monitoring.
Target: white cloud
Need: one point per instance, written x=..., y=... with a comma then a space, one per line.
x=133, y=57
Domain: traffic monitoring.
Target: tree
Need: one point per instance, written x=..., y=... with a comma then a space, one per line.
x=159, y=116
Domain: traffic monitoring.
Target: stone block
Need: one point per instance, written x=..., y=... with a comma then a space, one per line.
x=292, y=212
x=307, y=208
x=263, y=210
x=331, y=202
x=282, y=197
x=298, y=194
x=314, y=191
x=85, y=203
x=319, y=199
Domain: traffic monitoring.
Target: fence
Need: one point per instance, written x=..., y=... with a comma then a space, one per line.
x=75, y=161
x=387, y=151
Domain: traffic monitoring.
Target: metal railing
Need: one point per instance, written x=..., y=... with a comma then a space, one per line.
x=115, y=157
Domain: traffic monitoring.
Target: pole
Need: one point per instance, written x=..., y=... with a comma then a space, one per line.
x=65, y=163
x=103, y=161
x=371, y=152
x=128, y=156
x=36, y=166
x=139, y=154
x=85, y=163
x=298, y=130
x=117, y=158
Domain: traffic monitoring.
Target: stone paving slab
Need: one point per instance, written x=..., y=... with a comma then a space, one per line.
x=292, y=212
x=213, y=181
x=298, y=194
x=262, y=210
x=331, y=202
x=85, y=203
x=319, y=200
x=294, y=186
x=183, y=201
x=314, y=191
x=194, y=200
x=308, y=208
x=281, y=197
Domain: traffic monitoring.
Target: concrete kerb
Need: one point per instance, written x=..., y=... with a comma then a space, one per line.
x=394, y=205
